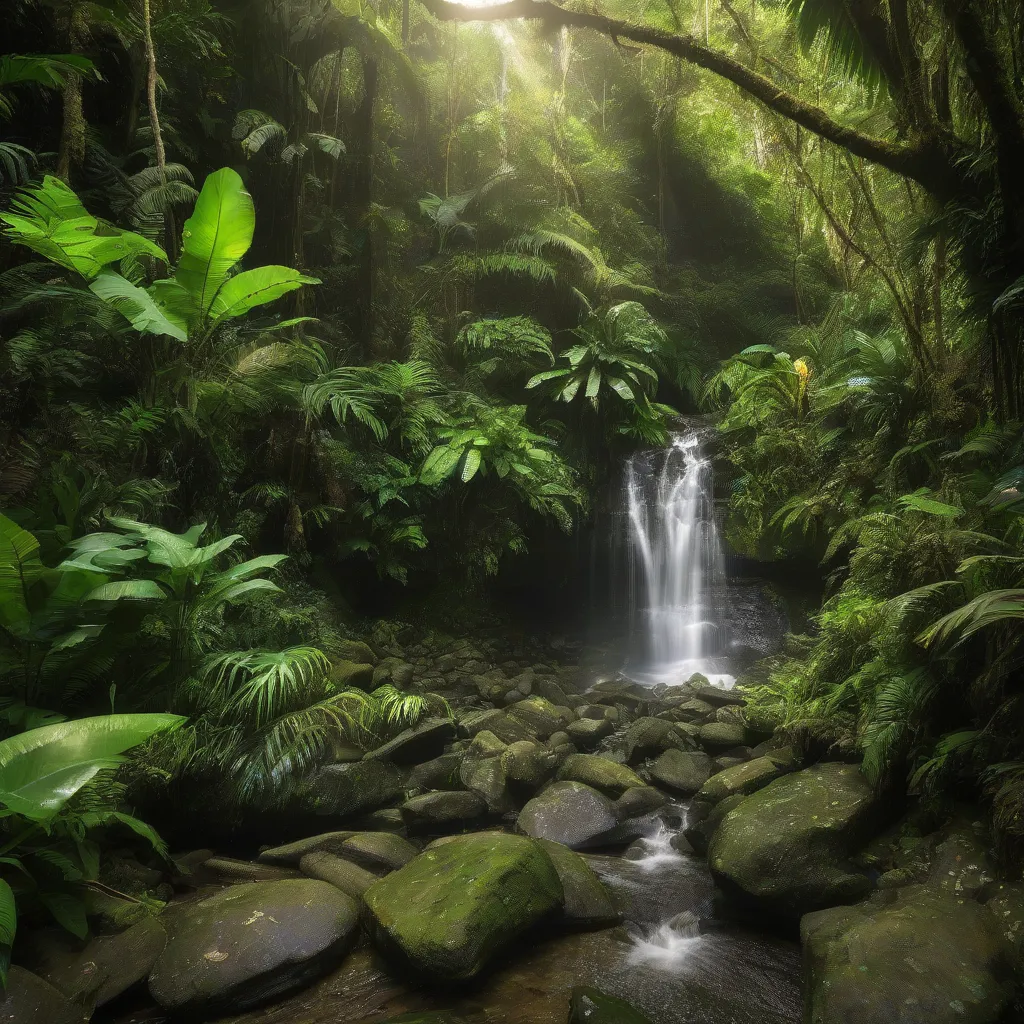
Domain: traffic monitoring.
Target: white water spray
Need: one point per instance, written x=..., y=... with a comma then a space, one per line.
x=673, y=536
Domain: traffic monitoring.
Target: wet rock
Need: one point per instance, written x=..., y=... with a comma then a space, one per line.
x=357, y=651
x=440, y=773
x=743, y=779
x=915, y=955
x=527, y=766
x=720, y=736
x=540, y=717
x=962, y=865
x=588, y=732
x=108, y=965
x=549, y=689
x=387, y=819
x=377, y=851
x=585, y=902
x=483, y=773
x=252, y=943
x=1005, y=901
x=227, y=869
x=495, y=722
x=341, y=790
x=30, y=1000
x=717, y=696
x=638, y=801
x=425, y=740
x=350, y=878
x=689, y=711
x=348, y=675
x=649, y=737
x=569, y=813
x=590, y=1006
x=444, y=808
x=705, y=818
x=683, y=771
x=787, y=846
x=449, y=911
x=611, y=778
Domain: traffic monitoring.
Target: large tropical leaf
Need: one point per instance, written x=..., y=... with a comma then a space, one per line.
x=996, y=607
x=257, y=287
x=215, y=237
x=20, y=567
x=8, y=928
x=42, y=769
x=136, y=305
x=51, y=220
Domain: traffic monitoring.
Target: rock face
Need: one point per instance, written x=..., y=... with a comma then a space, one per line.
x=569, y=813
x=446, y=913
x=607, y=776
x=424, y=741
x=442, y=808
x=440, y=773
x=30, y=1000
x=684, y=771
x=787, y=844
x=586, y=902
x=910, y=956
x=252, y=943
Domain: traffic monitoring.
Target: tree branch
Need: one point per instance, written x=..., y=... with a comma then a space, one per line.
x=927, y=160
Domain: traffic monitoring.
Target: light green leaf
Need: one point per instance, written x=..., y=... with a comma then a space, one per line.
x=8, y=928
x=136, y=305
x=130, y=590
x=257, y=287
x=215, y=237
x=470, y=464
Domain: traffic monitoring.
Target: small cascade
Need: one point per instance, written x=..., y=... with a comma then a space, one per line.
x=677, y=577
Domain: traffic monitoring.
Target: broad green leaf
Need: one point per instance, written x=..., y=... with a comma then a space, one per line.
x=127, y=590
x=593, y=383
x=621, y=388
x=215, y=237
x=921, y=503
x=470, y=464
x=136, y=305
x=68, y=911
x=41, y=769
x=439, y=464
x=20, y=568
x=8, y=928
x=257, y=287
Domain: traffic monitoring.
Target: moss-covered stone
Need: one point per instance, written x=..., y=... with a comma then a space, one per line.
x=443, y=808
x=569, y=813
x=350, y=878
x=788, y=845
x=611, y=778
x=30, y=1000
x=422, y=742
x=721, y=736
x=446, y=913
x=683, y=771
x=585, y=903
x=348, y=675
x=540, y=717
x=341, y=790
x=914, y=955
x=588, y=732
x=742, y=779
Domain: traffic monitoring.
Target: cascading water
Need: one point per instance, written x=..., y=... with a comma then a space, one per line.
x=677, y=579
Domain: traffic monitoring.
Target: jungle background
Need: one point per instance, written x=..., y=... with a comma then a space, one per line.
x=482, y=262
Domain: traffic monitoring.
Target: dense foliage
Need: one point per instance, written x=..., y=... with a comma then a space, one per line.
x=363, y=286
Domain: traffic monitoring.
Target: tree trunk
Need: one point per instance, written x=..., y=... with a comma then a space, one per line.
x=170, y=230
x=72, y=132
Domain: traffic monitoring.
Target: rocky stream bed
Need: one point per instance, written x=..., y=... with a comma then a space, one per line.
x=559, y=849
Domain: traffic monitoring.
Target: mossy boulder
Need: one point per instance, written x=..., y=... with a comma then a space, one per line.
x=443, y=808
x=742, y=779
x=483, y=772
x=496, y=722
x=540, y=717
x=439, y=773
x=527, y=765
x=377, y=851
x=588, y=732
x=787, y=846
x=449, y=911
x=250, y=944
x=341, y=790
x=589, y=1006
x=349, y=675
x=292, y=853
x=915, y=955
x=586, y=902
x=638, y=801
x=683, y=771
x=722, y=736
x=609, y=777
x=649, y=737
x=422, y=742
x=569, y=813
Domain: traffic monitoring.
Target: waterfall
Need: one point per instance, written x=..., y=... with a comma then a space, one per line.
x=677, y=579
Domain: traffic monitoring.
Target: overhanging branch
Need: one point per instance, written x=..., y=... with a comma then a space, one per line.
x=926, y=160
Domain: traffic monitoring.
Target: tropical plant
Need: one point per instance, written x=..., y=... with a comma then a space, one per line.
x=48, y=849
